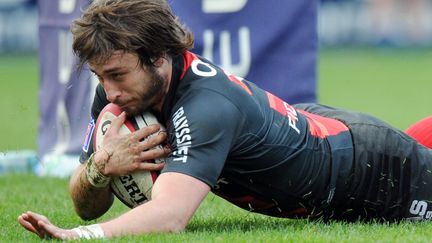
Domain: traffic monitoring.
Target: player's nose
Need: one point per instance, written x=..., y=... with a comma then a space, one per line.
x=112, y=92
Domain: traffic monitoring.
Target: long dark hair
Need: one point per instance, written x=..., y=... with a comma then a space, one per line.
x=145, y=27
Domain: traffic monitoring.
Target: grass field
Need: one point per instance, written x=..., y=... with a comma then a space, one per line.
x=18, y=101
x=393, y=85
x=215, y=220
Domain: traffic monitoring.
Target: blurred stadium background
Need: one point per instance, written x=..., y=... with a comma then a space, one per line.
x=375, y=56
x=394, y=23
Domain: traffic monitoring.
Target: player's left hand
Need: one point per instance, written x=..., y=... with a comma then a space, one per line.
x=41, y=226
x=122, y=154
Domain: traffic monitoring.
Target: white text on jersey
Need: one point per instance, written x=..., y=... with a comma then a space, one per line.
x=182, y=134
x=292, y=117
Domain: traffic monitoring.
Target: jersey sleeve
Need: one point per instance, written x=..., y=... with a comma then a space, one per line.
x=99, y=102
x=202, y=134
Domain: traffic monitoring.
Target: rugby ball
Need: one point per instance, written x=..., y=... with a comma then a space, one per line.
x=133, y=189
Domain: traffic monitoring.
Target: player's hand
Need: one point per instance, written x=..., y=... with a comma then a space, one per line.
x=41, y=226
x=123, y=154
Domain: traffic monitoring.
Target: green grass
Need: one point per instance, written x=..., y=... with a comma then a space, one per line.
x=215, y=220
x=18, y=102
x=393, y=85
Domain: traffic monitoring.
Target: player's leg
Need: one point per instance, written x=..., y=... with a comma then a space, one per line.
x=422, y=131
x=392, y=176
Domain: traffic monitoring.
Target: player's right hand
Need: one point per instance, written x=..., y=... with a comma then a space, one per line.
x=41, y=226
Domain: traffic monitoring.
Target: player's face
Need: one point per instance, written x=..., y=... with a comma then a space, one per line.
x=130, y=85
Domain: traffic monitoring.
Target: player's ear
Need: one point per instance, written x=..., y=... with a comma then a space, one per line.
x=159, y=61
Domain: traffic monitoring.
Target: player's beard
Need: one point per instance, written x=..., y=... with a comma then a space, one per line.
x=153, y=95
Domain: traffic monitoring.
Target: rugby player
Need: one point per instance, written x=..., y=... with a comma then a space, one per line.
x=226, y=135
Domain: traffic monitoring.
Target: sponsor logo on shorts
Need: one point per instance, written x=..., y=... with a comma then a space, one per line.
x=89, y=134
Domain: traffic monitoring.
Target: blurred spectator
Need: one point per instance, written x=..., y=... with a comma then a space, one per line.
x=7, y=4
x=401, y=22
x=418, y=19
x=383, y=19
x=18, y=25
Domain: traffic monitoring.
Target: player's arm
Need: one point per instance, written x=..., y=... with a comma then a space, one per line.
x=118, y=155
x=90, y=202
x=176, y=197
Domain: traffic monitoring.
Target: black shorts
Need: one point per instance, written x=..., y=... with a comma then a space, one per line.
x=390, y=177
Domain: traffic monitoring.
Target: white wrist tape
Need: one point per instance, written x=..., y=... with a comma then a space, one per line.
x=88, y=232
x=94, y=176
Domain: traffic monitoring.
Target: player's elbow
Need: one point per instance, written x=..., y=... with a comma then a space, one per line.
x=86, y=215
x=177, y=224
x=175, y=229
x=89, y=209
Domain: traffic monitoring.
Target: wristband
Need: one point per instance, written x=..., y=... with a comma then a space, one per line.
x=94, y=176
x=88, y=232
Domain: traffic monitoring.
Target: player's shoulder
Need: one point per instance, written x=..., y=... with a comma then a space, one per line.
x=208, y=102
x=197, y=67
x=206, y=113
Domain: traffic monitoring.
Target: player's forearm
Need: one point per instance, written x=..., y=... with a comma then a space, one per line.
x=151, y=217
x=176, y=197
x=90, y=202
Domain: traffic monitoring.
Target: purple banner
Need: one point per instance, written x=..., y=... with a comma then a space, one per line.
x=272, y=43
x=64, y=96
